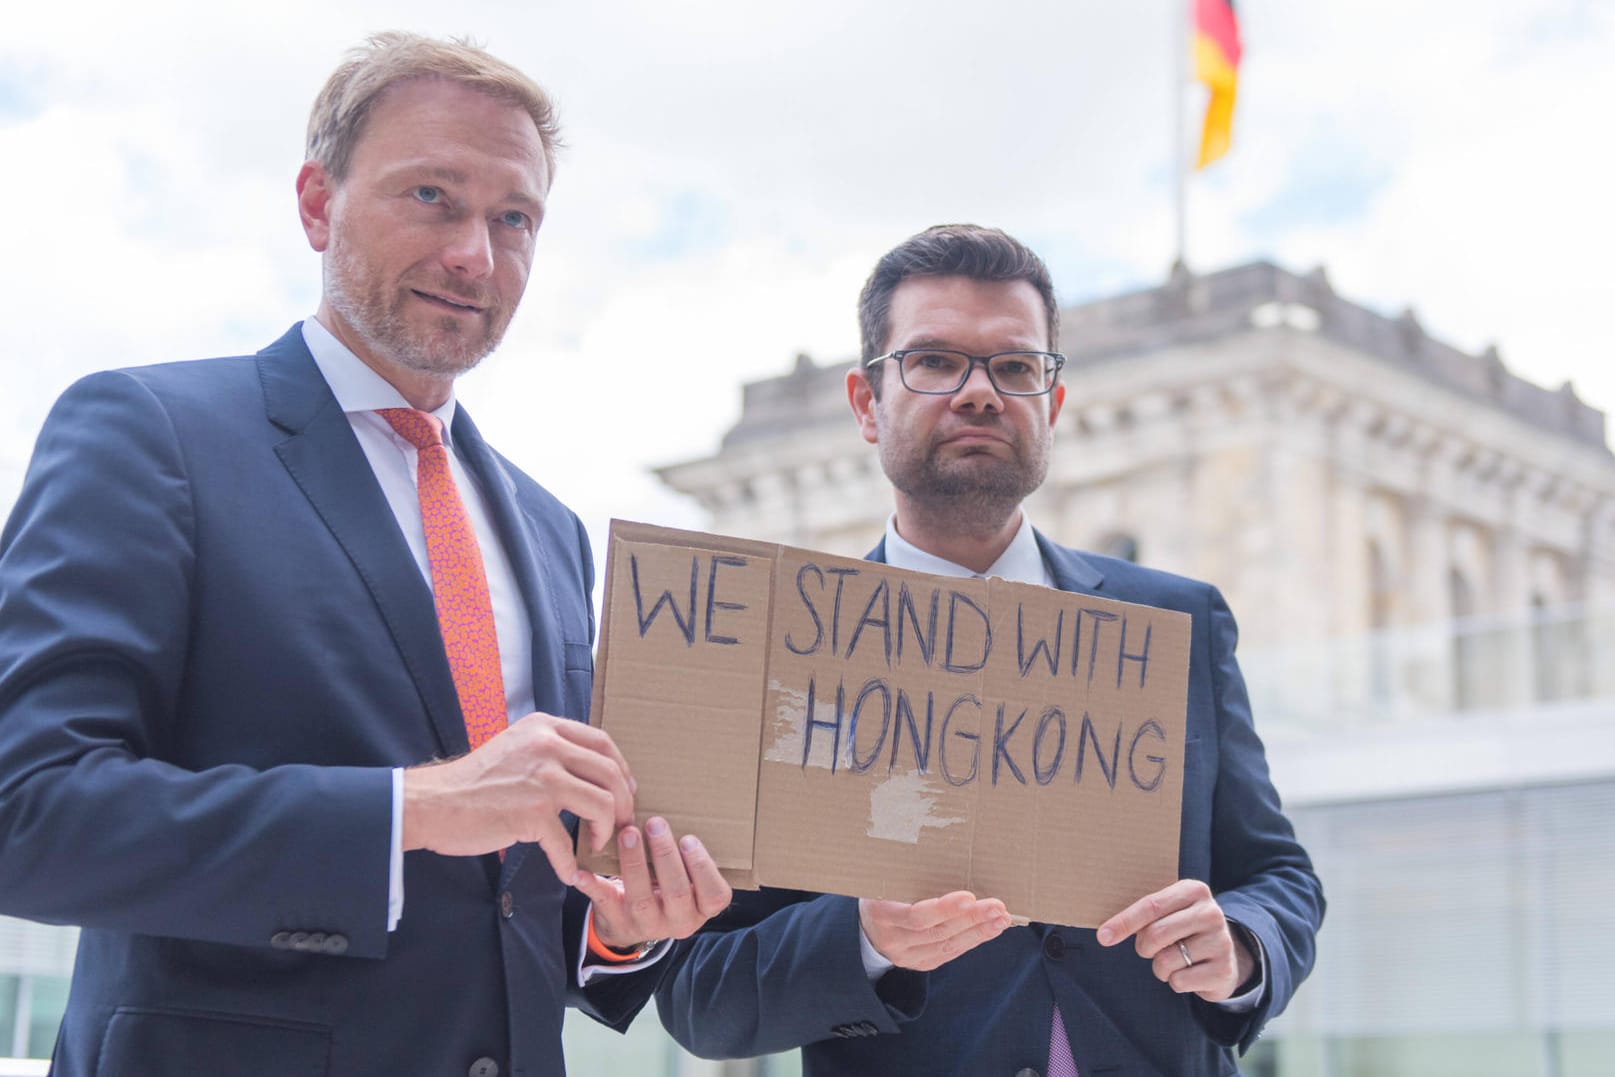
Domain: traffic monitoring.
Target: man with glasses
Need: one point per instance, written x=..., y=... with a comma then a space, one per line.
x=959, y=391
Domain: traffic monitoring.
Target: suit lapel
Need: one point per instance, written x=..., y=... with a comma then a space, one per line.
x=524, y=550
x=1072, y=571
x=325, y=460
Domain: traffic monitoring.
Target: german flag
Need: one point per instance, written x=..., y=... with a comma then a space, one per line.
x=1216, y=63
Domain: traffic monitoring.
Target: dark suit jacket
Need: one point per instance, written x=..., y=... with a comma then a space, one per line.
x=781, y=969
x=214, y=646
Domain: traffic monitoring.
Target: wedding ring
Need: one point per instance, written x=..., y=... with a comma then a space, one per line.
x=1184, y=951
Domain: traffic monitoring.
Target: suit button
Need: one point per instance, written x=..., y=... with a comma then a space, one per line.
x=281, y=940
x=844, y=1031
x=1054, y=946
x=507, y=905
x=315, y=943
x=336, y=944
x=1027, y=1072
x=867, y=1028
x=483, y=1067
x=298, y=940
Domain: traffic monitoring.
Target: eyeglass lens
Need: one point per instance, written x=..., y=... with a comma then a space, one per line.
x=946, y=371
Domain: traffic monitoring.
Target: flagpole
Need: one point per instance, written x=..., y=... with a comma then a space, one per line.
x=1180, y=77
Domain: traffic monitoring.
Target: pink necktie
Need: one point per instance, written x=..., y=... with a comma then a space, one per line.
x=1061, y=1064
x=459, y=584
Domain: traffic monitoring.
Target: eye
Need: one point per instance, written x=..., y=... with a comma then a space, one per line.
x=428, y=194
x=515, y=218
x=941, y=361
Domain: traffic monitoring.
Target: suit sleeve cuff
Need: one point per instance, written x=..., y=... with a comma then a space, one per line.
x=587, y=971
x=1248, y=1000
x=875, y=963
x=395, y=861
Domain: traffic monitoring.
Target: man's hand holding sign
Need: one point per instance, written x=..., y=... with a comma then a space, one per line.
x=640, y=906
x=1182, y=932
x=514, y=789
x=928, y=933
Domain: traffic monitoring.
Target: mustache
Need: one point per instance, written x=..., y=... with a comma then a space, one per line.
x=981, y=421
x=459, y=293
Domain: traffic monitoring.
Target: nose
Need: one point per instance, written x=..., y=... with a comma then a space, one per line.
x=978, y=391
x=468, y=251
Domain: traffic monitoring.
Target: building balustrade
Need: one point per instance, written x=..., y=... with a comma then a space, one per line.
x=1496, y=666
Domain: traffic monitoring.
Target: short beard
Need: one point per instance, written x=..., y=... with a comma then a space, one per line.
x=376, y=318
x=972, y=499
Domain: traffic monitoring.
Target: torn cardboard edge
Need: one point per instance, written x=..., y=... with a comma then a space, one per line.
x=849, y=727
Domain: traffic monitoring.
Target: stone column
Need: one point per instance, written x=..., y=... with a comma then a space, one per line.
x=1425, y=659
x=1512, y=586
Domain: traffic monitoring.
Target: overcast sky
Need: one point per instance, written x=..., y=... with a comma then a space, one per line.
x=733, y=169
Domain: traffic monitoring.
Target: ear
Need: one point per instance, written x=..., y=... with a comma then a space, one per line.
x=315, y=193
x=1056, y=401
x=862, y=399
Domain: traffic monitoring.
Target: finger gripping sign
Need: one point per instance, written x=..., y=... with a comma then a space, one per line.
x=847, y=727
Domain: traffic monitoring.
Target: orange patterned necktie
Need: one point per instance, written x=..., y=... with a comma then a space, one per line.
x=459, y=584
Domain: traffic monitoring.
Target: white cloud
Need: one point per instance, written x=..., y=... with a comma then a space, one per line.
x=1494, y=219
x=733, y=169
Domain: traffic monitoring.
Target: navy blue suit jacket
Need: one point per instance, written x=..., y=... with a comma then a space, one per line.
x=781, y=969
x=214, y=646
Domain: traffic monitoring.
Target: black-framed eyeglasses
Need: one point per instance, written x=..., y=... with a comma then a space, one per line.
x=941, y=371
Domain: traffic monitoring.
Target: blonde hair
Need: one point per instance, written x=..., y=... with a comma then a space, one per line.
x=344, y=103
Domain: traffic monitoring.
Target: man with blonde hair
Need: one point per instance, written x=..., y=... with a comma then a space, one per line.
x=291, y=659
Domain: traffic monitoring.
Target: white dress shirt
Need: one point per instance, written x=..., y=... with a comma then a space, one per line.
x=361, y=392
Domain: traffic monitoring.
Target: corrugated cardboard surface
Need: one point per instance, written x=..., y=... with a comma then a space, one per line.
x=837, y=725
x=679, y=682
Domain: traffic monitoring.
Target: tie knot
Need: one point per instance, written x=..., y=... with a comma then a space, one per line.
x=421, y=429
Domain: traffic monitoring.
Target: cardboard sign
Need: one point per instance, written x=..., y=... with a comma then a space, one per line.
x=843, y=726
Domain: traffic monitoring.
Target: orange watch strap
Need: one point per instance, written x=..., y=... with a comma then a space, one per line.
x=606, y=953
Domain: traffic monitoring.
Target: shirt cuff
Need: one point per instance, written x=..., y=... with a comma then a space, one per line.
x=875, y=963
x=395, y=861
x=1247, y=1002
x=587, y=972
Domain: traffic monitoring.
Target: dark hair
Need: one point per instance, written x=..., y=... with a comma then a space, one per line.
x=948, y=250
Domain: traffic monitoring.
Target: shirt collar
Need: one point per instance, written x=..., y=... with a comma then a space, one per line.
x=1021, y=561
x=355, y=385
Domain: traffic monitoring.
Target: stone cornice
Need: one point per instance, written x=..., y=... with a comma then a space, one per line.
x=1201, y=315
